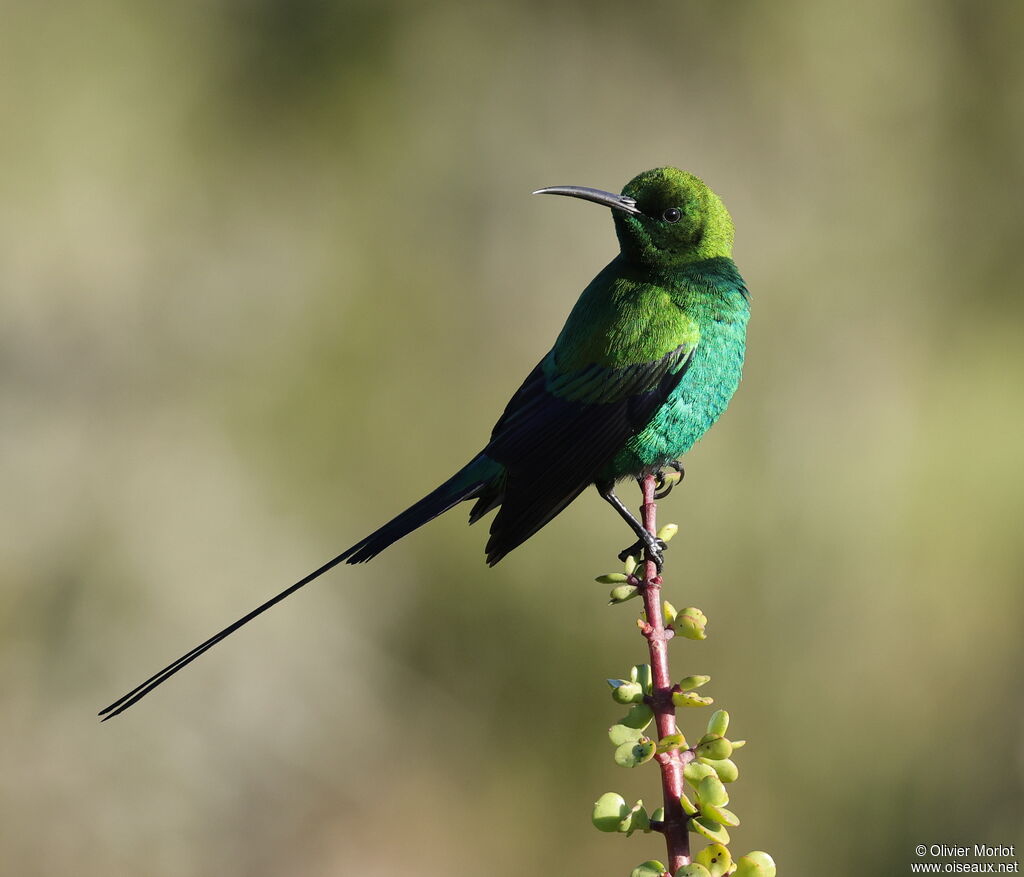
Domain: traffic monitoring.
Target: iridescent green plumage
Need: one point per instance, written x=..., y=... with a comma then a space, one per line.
x=646, y=362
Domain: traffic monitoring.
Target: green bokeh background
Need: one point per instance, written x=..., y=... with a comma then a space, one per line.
x=270, y=270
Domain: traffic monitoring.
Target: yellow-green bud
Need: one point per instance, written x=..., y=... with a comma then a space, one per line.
x=620, y=734
x=622, y=593
x=627, y=692
x=612, y=578
x=695, y=771
x=718, y=724
x=666, y=533
x=639, y=716
x=652, y=868
x=714, y=747
x=716, y=858
x=633, y=753
x=642, y=674
x=710, y=829
x=669, y=612
x=670, y=742
x=690, y=699
x=609, y=810
x=755, y=864
x=693, y=870
x=711, y=791
x=689, y=808
x=726, y=769
x=691, y=623
x=720, y=815
x=688, y=682
x=636, y=820
x=738, y=744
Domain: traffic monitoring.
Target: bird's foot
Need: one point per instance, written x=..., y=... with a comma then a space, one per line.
x=666, y=481
x=652, y=544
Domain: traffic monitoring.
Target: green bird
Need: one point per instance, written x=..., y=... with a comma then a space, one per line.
x=647, y=361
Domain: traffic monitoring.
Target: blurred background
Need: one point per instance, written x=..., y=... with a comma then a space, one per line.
x=269, y=272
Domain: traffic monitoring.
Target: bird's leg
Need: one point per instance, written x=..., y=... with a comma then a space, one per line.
x=665, y=485
x=654, y=545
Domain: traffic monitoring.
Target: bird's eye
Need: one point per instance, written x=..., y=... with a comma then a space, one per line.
x=673, y=214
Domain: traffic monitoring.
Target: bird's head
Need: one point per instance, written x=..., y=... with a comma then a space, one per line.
x=664, y=218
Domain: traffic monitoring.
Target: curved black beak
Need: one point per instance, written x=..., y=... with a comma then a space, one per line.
x=598, y=196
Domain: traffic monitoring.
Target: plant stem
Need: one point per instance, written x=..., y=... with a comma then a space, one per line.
x=677, y=837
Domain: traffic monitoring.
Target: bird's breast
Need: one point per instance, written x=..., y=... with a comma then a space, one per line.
x=696, y=402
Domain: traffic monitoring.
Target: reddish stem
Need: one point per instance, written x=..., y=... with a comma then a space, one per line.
x=677, y=837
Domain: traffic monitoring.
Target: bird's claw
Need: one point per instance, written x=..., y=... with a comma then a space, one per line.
x=634, y=550
x=652, y=545
x=665, y=483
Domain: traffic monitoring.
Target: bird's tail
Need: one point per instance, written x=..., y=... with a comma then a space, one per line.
x=464, y=484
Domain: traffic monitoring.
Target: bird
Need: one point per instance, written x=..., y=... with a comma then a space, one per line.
x=648, y=359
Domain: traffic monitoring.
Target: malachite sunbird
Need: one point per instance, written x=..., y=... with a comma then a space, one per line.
x=648, y=359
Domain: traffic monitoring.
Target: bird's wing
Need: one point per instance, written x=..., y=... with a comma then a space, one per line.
x=561, y=429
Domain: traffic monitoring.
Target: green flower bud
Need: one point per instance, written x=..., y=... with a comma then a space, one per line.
x=693, y=870
x=642, y=673
x=710, y=829
x=631, y=565
x=689, y=808
x=688, y=682
x=658, y=815
x=690, y=698
x=711, y=791
x=639, y=716
x=666, y=533
x=755, y=864
x=726, y=769
x=691, y=623
x=609, y=810
x=695, y=771
x=653, y=868
x=669, y=612
x=714, y=747
x=633, y=753
x=622, y=593
x=620, y=734
x=636, y=820
x=670, y=742
x=718, y=724
x=720, y=815
x=716, y=858
x=738, y=744
x=626, y=692
x=611, y=578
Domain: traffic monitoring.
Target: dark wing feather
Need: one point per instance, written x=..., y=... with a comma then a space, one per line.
x=561, y=430
x=522, y=397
